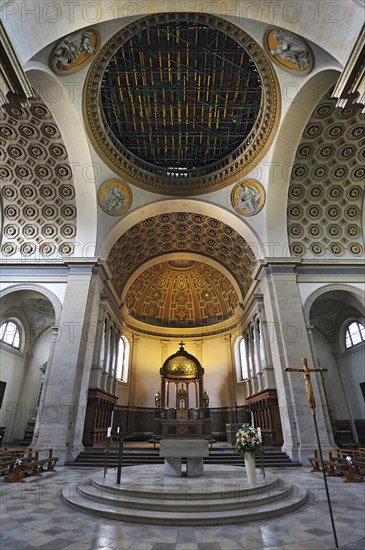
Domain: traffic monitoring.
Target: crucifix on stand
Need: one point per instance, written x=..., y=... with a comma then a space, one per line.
x=312, y=406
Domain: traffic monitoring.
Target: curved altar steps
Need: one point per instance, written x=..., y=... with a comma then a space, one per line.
x=147, y=496
x=143, y=455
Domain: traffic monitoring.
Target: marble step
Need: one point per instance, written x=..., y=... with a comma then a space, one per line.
x=96, y=458
x=207, y=503
x=215, y=498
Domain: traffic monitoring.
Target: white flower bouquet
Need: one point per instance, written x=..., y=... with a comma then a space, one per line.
x=248, y=440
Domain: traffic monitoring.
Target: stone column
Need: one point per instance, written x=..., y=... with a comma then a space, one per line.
x=113, y=382
x=105, y=364
x=284, y=310
x=54, y=338
x=246, y=336
x=164, y=386
x=257, y=352
x=98, y=358
x=112, y=355
x=61, y=419
x=251, y=356
x=268, y=370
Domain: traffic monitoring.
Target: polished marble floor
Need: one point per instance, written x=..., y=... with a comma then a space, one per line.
x=33, y=516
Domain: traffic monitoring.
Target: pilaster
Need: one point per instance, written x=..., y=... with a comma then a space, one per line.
x=290, y=343
x=62, y=412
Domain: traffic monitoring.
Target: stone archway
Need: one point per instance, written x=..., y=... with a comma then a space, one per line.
x=36, y=310
x=329, y=314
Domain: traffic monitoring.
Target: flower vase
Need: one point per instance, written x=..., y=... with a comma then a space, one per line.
x=250, y=468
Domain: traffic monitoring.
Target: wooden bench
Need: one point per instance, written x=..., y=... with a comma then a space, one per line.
x=335, y=463
x=18, y=464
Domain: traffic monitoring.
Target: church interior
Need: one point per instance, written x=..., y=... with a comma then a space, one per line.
x=182, y=217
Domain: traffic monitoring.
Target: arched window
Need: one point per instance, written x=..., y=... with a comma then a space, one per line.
x=355, y=334
x=243, y=359
x=123, y=359
x=10, y=334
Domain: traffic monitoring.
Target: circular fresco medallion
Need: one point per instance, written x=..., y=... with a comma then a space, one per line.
x=114, y=197
x=289, y=51
x=248, y=197
x=73, y=51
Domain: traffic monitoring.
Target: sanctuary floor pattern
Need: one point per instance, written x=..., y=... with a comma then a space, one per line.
x=33, y=516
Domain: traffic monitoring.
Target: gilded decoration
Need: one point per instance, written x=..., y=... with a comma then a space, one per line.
x=163, y=110
x=327, y=187
x=248, y=197
x=290, y=52
x=72, y=52
x=166, y=296
x=181, y=232
x=182, y=365
x=114, y=197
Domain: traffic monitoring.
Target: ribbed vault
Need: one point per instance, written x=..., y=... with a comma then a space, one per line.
x=181, y=232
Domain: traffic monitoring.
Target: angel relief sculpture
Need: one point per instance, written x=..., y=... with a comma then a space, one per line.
x=291, y=48
x=69, y=51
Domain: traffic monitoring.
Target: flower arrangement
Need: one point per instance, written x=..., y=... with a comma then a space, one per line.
x=248, y=440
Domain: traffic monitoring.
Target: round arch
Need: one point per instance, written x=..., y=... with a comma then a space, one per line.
x=182, y=256
x=285, y=149
x=349, y=294
x=183, y=205
x=64, y=110
x=59, y=19
x=7, y=294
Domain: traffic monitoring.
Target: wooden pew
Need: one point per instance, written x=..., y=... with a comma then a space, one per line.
x=18, y=464
x=335, y=463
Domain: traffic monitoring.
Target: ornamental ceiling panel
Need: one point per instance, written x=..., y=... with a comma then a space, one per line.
x=181, y=232
x=37, y=190
x=181, y=294
x=327, y=184
x=180, y=103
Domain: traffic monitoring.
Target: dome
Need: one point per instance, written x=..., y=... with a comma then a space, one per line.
x=174, y=99
x=183, y=293
x=182, y=365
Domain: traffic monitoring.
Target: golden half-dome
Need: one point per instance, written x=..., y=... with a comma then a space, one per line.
x=181, y=294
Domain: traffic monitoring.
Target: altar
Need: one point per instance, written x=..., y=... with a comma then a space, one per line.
x=182, y=428
x=182, y=404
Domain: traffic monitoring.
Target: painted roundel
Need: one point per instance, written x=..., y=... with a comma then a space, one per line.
x=248, y=198
x=163, y=108
x=72, y=52
x=114, y=197
x=289, y=51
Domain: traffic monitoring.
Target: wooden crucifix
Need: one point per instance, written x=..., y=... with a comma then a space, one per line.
x=312, y=406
